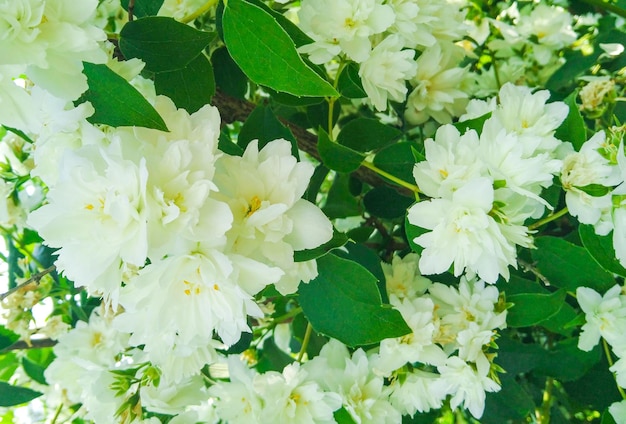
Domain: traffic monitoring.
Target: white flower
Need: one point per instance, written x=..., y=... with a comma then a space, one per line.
x=592, y=95
x=462, y=233
x=451, y=161
x=466, y=384
x=416, y=393
x=403, y=278
x=385, y=71
x=98, y=205
x=438, y=91
x=271, y=221
x=342, y=26
x=605, y=316
x=169, y=398
x=618, y=411
x=290, y=397
x=363, y=393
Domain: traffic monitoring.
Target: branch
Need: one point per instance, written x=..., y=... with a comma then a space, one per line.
x=34, y=344
x=233, y=109
x=34, y=279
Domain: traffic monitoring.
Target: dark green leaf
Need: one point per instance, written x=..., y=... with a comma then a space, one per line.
x=226, y=145
x=7, y=337
x=34, y=371
x=295, y=33
x=596, y=387
x=385, y=202
x=343, y=302
x=164, y=44
x=566, y=362
x=263, y=125
x=126, y=108
x=413, y=232
x=294, y=101
x=397, y=160
x=338, y=240
x=337, y=157
x=15, y=395
x=272, y=358
x=364, y=134
x=607, y=418
x=19, y=133
x=144, y=7
x=349, y=84
x=340, y=203
x=573, y=128
x=228, y=77
x=190, y=87
x=533, y=308
x=601, y=249
x=569, y=266
x=512, y=402
x=266, y=54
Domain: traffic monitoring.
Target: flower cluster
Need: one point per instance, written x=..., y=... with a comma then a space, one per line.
x=484, y=187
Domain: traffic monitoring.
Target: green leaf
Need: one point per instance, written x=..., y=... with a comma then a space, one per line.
x=385, y=202
x=144, y=7
x=338, y=240
x=340, y=203
x=337, y=157
x=573, y=128
x=595, y=190
x=35, y=363
x=601, y=249
x=126, y=108
x=475, y=124
x=7, y=337
x=8, y=364
x=342, y=416
x=397, y=160
x=15, y=395
x=164, y=44
x=566, y=362
x=295, y=33
x=364, y=134
x=266, y=54
x=263, y=125
x=569, y=266
x=272, y=358
x=349, y=84
x=228, y=76
x=190, y=87
x=413, y=232
x=370, y=260
x=533, y=308
x=512, y=402
x=343, y=302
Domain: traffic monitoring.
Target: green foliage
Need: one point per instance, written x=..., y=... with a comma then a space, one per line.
x=337, y=157
x=14, y=395
x=144, y=7
x=365, y=134
x=190, y=87
x=266, y=53
x=601, y=249
x=262, y=125
x=573, y=128
x=343, y=302
x=534, y=308
x=128, y=107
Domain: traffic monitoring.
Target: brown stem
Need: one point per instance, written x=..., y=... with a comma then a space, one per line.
x=34, y=344
x=131, y=9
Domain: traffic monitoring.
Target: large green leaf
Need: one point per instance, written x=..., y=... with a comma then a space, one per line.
x=228, y=76
x=15, y=395
x=601, y=249
x=144, y=7
x=569, y=266
x=164, y=44
x=343, y=302
x=566, y=362
x=340, y=202
x=364, y=134
x=190, y=87
x=385, y=202
x=337, y=157
x=512, y=402
x=116, y=102
x=573, y=128
x=338, y=240
x=349, y=84
x=533, y=308
x=266, y=53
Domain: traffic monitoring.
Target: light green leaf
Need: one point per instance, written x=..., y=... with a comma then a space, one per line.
x=343, y=302
x=126, y=108
x=364, y=134
x=601, y=249
x=7, y=337
x=190, y=87
x=532, y=308
x=569, y=266
x=164, y=44
x=266, y=54
x=15, y=395
x=337, y=157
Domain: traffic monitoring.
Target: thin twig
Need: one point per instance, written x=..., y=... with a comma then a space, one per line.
x=34, y=344
x=532, y=269
x=131, y=9
x=34, y=279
